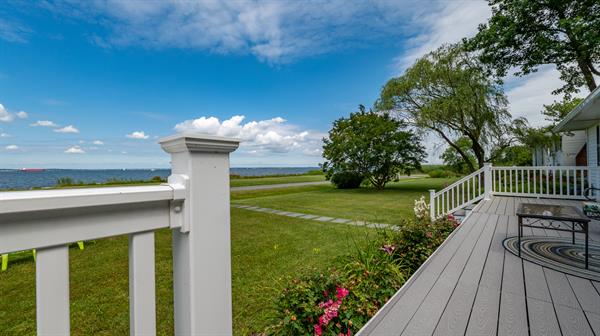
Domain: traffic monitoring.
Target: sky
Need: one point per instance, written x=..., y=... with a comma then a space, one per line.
x=95, y=84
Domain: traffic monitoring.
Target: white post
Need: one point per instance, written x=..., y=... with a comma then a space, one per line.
x=202, y=256
x=432, y=203
x=487, y=181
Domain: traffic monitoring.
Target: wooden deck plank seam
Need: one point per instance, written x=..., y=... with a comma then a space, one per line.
x=478, y=282
x=440, y=276
x=581, y=307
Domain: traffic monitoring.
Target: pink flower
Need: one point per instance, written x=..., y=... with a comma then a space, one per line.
x=341, y=292
x=318, y=330
x=389, y=249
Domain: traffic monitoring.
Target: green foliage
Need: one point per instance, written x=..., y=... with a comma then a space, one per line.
x=373, y=145
x=339, y=300
x=442, y=173
x=416, y=241
x=455, y=161
x=450, y=93
x=346, y=179
x=556, y=111
x=528, y=34
x=370, y=276
x=515, y=156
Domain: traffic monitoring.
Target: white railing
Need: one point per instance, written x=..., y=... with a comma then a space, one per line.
x=542, y=182
x=194, y=204
x=549, y=182
x=459, y=194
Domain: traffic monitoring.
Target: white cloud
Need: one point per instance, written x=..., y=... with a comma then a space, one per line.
x=5, y=116
x=11, y=147
x=137, y=135
x=528, y=95
x=13, y=31
x=75, y=150
x=44, y=123
x=258, y=137
x=5, y=135
x=275, y=31
x=98, y=142
x=67, y=129
x=450, y=23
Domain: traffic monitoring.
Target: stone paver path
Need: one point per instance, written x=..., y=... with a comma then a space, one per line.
x=315, y=217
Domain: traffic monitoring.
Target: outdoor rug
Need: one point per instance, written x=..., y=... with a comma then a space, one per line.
x=558, y=254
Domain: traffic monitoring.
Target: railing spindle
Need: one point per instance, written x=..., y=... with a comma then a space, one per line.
x=142, y=303
x=52, y=291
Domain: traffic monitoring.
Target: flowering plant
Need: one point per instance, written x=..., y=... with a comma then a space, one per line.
x=340, y=301
x=421, y=209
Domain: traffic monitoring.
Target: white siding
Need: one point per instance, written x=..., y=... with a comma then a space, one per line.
x=571, y=146
x=592, y=156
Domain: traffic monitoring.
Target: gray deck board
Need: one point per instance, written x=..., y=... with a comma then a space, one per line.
x=513, y=306
x=400, y=313
x=455, y=316
x=484, y=314
x=472, y=286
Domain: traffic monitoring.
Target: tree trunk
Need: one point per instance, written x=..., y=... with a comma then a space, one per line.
x=458, y=149
x=587, y=74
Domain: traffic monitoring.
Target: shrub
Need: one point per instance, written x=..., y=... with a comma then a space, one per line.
x=442, y=173
x=346, y=180
x=416, y=241
x=339, y=301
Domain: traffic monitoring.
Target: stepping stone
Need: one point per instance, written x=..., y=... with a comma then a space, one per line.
x=340, y=220
x=294, y=214
x=377, y=226
x=241, y=206
x=309, y=216
x=324, y=219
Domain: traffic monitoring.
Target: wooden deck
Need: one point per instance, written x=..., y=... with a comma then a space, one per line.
x=472, y=286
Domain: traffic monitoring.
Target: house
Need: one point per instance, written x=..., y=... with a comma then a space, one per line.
x=568, y=150
x=585, y=118
x=478, y=283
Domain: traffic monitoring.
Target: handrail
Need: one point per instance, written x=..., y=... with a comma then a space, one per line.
x=57, y=199
x=459, y=194
x=463, y=179
x=195, y=204
x=563, y=182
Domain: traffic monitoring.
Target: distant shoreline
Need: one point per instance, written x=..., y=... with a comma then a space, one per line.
x=16, y=179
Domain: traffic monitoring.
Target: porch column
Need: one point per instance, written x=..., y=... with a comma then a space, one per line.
x=487, y=181
x=202, y=248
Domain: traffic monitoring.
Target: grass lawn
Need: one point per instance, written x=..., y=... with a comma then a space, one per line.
x=265, y=250
x=252, y=181
x=386, y=206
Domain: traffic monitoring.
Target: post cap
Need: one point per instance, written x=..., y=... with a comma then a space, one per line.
x=198, y=142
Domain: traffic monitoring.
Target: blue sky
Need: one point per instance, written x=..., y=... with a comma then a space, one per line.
x=95, y=84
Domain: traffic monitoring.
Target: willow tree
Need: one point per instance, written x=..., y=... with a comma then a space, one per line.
x=450, y=93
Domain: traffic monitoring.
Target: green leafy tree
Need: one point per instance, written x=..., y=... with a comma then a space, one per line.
x=556, y=111
x=520, y=155
x=454, y=161
x=525, y=34
x=373, y=145
x=450, y=93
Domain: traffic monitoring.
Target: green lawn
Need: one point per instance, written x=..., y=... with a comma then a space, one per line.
x=265, y=250
x=243, y=182
x=387, y=206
